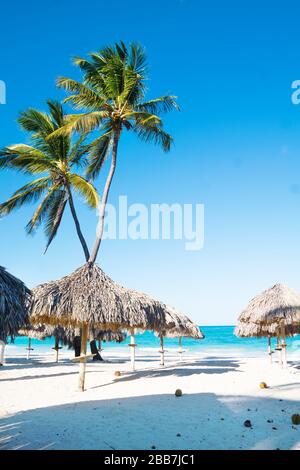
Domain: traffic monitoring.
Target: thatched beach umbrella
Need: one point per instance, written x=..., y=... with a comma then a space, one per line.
x=14, y=297
x=276, y=312
x=33, y=332
x=108, y=336
x=94, y=334
x=88, y=298
x=134, y=299
x=64, y=336
x=183, y=328
x=42, y=332
x=255, y=330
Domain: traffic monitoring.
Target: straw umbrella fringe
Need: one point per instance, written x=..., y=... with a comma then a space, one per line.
x=109, y=336
x=33, y=332
x=42, y=332
x=276, y=312
x=64, y=336
x=68, y=337
x=87, y=299
x=278, y=305
x=254, y=330
x=250, y=330
x=14, y=297
x=183, y=327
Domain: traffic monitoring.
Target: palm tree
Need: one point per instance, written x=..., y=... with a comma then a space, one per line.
x=112, y=97
x=53, y=161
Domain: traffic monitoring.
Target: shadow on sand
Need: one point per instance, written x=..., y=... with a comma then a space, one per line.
x=179, y=369
x=183, y=369
x=194, y=421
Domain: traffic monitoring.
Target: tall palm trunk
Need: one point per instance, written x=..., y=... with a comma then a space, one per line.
x=104, y=199
x=77, y=224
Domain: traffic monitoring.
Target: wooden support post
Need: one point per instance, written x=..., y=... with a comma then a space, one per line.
x=82, y=361
x=132, y=352
x=270, y=348
x=283, y=345
x=162, y=351
x=29, y=348
x=56, y=348
x=2, y=349
x=279, y=349
x=180, y=348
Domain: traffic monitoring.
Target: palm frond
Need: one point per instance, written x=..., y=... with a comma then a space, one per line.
x=164, y=104
x=54, y=216
x=36, y=121
x=154, y=133
x=143, y=118
x=26, y=159
x=92, y=74
x=78, y=151
x=98, y=152
x=29, y=193
x=84, y=96
x=41, y=211
x=83, y=123
x=86, y=189
x=56, y=111
x=137, y=59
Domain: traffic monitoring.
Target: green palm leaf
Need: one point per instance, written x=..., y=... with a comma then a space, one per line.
x=54, y=216
x=55, y=158
x=41, y=211
x=98, y=152
x=164, y=104
x=29, y=193
x=154, y=133
x=85, y=189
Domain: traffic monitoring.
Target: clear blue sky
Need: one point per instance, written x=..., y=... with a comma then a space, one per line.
x=237, y=143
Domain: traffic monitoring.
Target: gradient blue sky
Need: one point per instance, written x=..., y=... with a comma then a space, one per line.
x=237, y=143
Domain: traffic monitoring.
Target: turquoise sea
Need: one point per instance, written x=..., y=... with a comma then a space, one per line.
x=218, y=340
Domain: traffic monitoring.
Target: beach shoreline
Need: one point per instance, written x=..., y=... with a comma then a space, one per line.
x=41, y=409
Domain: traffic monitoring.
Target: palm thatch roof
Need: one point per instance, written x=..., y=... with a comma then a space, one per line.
x=66, y=335
x=89, y=297
x=276, y=306
x=111, y=336
x=14, y=297
x=250, y=330
x=38, y=331
x=183, y=326
x=34, y=332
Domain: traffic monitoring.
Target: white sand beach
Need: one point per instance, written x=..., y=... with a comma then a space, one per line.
x=41, y=409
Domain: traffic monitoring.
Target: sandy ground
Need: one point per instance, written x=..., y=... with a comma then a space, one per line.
x=41, y=409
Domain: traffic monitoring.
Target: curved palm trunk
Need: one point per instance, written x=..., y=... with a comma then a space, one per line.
x=104, y=199
x=77, y=224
